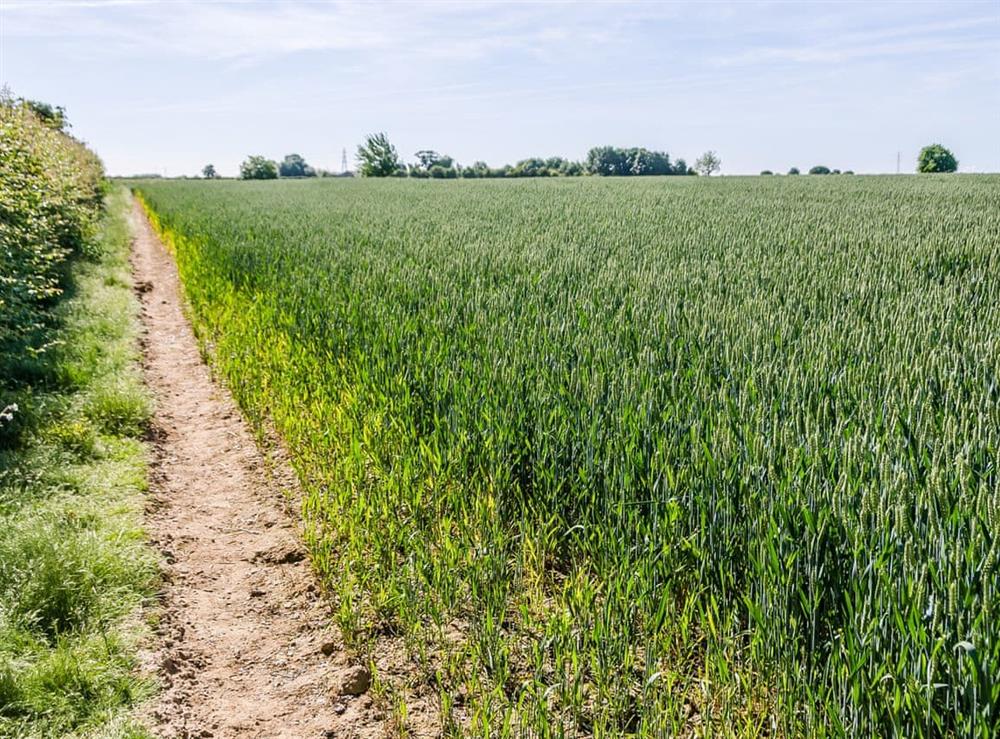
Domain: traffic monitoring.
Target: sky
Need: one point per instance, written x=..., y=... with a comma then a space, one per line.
x=168, y=86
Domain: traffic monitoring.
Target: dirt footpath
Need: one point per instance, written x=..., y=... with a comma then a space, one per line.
x=245, y=645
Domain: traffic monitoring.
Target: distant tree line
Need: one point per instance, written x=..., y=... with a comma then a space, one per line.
x=379, y=158
x=637, y=161
x=818, y=169
x=257, y=167
x=932, y=159
x=821, y=169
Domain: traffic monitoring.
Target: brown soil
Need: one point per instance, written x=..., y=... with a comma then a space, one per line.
x=245, y=647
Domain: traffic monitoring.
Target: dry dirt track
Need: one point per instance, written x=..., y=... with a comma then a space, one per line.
x=242, y=635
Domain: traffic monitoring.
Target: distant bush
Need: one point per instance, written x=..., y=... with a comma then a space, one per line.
x=531, y=167
x=794, y=170
x=293, y=165
x=476, y=171
x=51, y=188
x=819, y=169
x=258, y=168
x=766, y=172
x=935, y=158
x=440, y=172
x=569, y=168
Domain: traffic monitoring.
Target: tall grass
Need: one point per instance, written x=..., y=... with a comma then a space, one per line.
x=74, y=564
x=655, y=458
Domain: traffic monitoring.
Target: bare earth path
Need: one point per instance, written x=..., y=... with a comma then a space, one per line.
x=242, y=632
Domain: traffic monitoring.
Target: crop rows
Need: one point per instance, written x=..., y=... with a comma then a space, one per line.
x=658, y=457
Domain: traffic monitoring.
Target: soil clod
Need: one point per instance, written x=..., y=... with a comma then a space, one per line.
x=356, y=680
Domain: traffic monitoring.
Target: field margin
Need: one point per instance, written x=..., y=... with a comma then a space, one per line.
x=76, y=570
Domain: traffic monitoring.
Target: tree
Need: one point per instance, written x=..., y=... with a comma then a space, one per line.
x=429, y=162
x=819, y=169
x=708, y=163
x=208, y=172
x=530, y=167
x=607, y=161
x=259, y=168
x=935, y=158
x=294, y=165
x=794, y=170
x=377, y=157
x=427, y=158
x=645, y=162
x=613, y=161
x=555, y=166
x=766, y=172
x=477, y=170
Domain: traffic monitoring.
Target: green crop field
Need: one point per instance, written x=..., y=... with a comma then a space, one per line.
x=658, y=457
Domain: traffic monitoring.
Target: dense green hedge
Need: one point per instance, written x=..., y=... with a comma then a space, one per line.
x=51, y=187
x=74, y=567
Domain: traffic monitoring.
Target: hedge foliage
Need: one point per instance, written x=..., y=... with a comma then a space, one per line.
x=51, y=188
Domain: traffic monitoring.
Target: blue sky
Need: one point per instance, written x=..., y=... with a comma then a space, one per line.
x=169, y=86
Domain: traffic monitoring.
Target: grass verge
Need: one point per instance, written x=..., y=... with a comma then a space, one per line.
x=74, y=564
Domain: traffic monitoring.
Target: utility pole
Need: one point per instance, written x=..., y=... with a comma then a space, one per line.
x=897, y=162
x=343, y=161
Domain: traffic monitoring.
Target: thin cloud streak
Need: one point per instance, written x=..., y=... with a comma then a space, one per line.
x=220, y=31
x=830, y=54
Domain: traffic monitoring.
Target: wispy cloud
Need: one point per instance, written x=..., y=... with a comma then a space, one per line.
x=245, y=30
x=918, y=39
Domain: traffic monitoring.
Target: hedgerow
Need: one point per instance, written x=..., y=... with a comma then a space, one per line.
x=51, y=187
x=74, y=566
